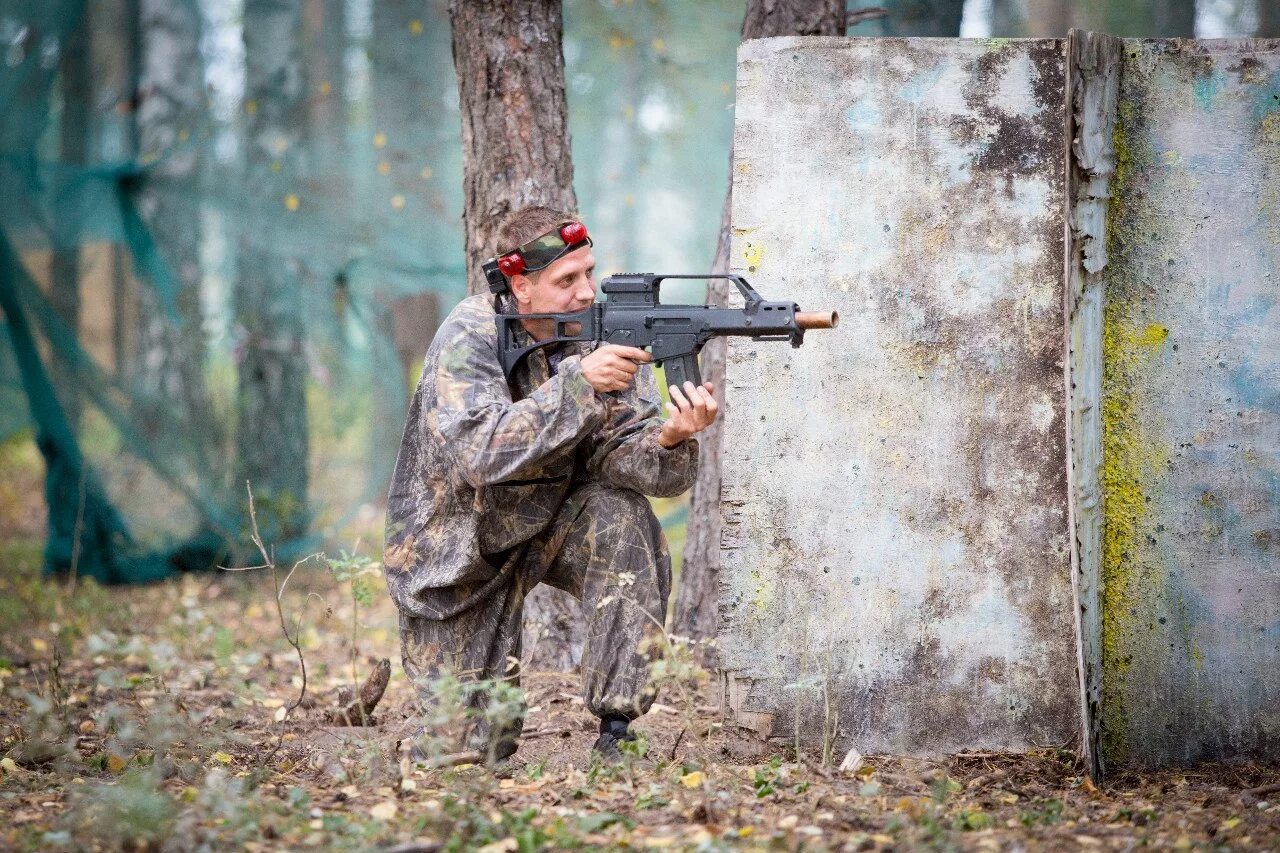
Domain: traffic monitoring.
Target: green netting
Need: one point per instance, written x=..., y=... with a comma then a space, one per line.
x=228, y=229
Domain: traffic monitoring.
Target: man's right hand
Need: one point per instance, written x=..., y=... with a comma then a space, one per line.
x=612, y=367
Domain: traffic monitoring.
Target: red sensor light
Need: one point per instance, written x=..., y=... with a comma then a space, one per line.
x=574, y=232
x=512, y=264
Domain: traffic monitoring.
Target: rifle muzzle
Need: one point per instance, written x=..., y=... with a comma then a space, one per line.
x=817, y=319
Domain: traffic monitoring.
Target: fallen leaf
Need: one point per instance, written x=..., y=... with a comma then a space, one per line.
x=280, y=714
x=221, y=757
x=852, y=761
x=116, y=763
x=386, y=811
x=7, y=765
x=692, y=780
x=506, y=845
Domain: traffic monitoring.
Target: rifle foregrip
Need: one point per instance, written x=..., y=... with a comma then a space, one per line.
x=682, y=369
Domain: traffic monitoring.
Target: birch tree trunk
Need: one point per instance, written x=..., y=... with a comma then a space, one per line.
x=515, y=144
x=695, y=613
x=271, y=435
x=171, y=105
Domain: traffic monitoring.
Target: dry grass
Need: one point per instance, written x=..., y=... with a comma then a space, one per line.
x=157, y=712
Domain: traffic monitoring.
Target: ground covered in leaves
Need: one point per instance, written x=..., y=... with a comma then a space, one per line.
x=168, y=717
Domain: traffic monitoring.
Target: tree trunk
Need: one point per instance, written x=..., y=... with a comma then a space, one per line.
x=1006, y=18
x=76, y=77
x=1139, y=18
x=515, y=152
x=923, y=17
x=271, y=434
x=171, y=106
x=1268, y=25
x=1048, y=18
x=515, y=121
x=696, y=599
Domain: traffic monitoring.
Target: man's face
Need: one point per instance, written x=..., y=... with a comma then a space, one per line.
x=565, y=286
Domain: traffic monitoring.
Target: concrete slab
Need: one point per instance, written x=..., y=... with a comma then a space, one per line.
x=895, y=548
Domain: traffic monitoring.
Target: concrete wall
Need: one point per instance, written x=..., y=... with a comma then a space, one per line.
x=1030, y=489
x=1191, y=406
x=896, y=541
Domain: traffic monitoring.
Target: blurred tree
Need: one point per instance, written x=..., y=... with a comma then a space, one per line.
x=169, y=129
x=922, y=17
x=271, y=432
x=696, y=599
x=1048, y=18
x=1268, y=25
x=1006, y=18
x=74, y=127
x=516, y=151
x=1139, y=18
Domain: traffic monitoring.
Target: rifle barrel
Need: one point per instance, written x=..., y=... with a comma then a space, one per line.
x=817, y=319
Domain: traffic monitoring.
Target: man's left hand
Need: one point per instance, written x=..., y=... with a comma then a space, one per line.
x=692, y=410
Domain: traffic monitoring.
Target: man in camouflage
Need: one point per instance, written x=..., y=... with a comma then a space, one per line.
x=499, y=487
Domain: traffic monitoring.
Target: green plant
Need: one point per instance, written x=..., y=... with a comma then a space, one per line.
x=361, y=572
x=134, y=812
x=1049, y=813
x=765, y=778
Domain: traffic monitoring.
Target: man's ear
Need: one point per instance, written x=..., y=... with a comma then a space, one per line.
x=520, y=287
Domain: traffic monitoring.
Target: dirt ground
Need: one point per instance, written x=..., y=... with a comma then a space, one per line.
x=159, y=718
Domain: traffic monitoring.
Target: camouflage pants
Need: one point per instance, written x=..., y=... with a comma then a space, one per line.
x=606, y=548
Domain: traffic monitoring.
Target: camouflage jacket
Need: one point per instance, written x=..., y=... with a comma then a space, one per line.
x=479, y=474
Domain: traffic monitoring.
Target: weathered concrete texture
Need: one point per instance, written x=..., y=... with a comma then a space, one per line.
x=1191, y=407
x=1092, y=94
x=896, y=539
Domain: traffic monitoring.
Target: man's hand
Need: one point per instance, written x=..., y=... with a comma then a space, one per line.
x=692, y=411
x=613, y=367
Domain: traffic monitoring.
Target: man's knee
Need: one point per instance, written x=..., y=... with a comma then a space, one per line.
x=621, y=516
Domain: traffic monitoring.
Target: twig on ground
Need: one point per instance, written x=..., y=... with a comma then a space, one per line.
x=536, y=733
x=454, y=759
x=1263, y=789
x=358, y=710
x=676, y=745
x=268, y=562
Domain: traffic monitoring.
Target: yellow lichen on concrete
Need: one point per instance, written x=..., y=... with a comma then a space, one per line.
x=1132, y=458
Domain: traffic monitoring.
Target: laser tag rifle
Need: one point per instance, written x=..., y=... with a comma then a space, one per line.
x=631, y=315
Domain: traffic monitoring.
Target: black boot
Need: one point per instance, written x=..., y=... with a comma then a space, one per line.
x=613, y=731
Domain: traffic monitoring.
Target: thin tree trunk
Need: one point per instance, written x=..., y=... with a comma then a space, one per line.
x=1048, y=18
x=271, y=436
x=696, y=599
x=515, y=152
x=1007, y=18
x=73, y=136
x=1268, y=25
x=1139, y=18
x=923, y=17
x=171, y=106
